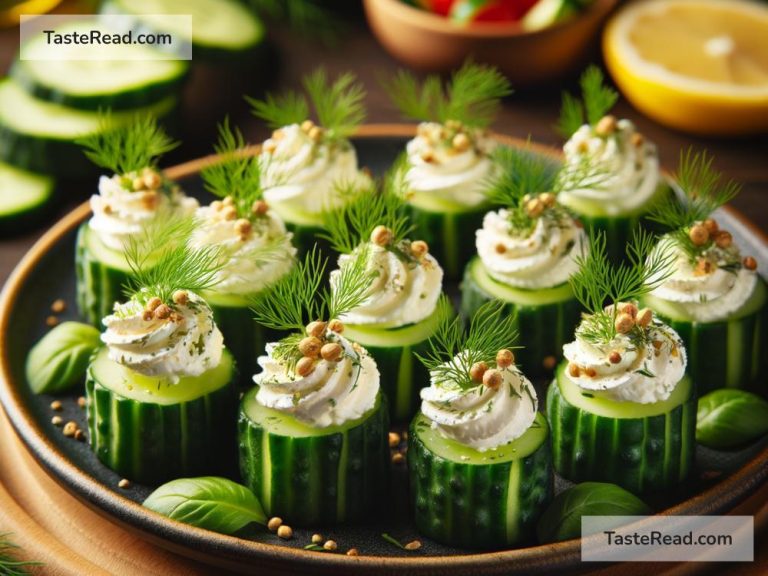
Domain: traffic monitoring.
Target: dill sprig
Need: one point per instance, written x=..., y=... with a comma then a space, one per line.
x=598, y=282
x=9, y=565
x=237, y=175
x=350, y=226
x=127, y=148
x=452, y=350
x=161, y=261
x=338, y=106
x=597, y=100
x=472, y=96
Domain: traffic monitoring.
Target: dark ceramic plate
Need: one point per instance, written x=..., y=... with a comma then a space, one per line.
x=721, y=481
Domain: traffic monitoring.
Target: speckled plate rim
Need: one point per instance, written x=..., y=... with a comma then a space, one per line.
x=233, y=552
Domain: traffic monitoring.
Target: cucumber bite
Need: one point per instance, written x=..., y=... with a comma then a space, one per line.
x=25, y=197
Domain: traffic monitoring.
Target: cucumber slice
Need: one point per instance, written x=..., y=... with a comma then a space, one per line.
x=220, y=28
x=618, y=229
x=724, y=354
x=39, y=136
x=448, y=228
x=314, y=476
x=101, y=275
x=641, y=447
x=24, y=198
x=132, y=79
x=492, y=499
x=394, y=349
x=150, y=431
x=546, y=318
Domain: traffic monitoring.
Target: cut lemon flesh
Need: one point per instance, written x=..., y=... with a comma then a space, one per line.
x=695, y=65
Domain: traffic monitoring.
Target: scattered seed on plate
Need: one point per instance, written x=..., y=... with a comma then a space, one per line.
x=56, y=405
x=124, y=484
x=58, y=306
x=415, y=545
x=70, y=428
x=330, y=545
x=397, y=458
x=79, y=435
x=353, y=552
x=57, y=421
x=274, y=523
x=285, y=532
x=81, y=402
x=317, y=538
x=51, y=321
x=394, y=439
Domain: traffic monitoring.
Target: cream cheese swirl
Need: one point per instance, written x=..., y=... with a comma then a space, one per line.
x=402, y=291
x=186, y=343
x=623, y=168
x=543, y=259
x=646, y=372
x=332, y=394
x=706, y=295
x=439, y=169
x=304, y=173
x=258, y=255
x=480, y=417
x=120, y=213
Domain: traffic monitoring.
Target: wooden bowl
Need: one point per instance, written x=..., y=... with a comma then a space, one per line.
x=430, y=42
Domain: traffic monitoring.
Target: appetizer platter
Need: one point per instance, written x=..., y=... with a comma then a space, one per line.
x=316, y=352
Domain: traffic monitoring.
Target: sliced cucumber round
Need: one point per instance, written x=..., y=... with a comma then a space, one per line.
x=132, y=79
x=220, y=28
x=472, y=499
x=641, y=447
x=101, y=273
x=151, y=431
x=448, y=228
x=39, y=136
x=545, y=317
x=314, y=476
x=24, y=198
x=727, y=353
x=394, y=349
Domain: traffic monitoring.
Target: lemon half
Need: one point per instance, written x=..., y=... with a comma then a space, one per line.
x=696, y=65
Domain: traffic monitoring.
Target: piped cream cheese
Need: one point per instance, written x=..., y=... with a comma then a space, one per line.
x=404, y=289
x=544, y=257
x=623, y=167
x=120, y=212
x=259, y=250
x=450, y=163
x=480, y=417
x=628, y=369
x=164, y=340
x=304, y=173
x=333, y=393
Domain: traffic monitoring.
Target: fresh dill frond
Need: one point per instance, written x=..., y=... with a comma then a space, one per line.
x=472, y=96
x=338, y=106
x=598, y=281
x=161, y=261
x=237, y=175
x=350, y=226
x=520, y=172
x=452, y=350
x=584, y=173
x=350, y=285
x=127, y=148
x=597, y=100
x=286, y=351
x=9, y=565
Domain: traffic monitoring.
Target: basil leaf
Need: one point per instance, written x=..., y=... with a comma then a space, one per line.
x=209, y=502
x=59, y=360
x=729, y=418
x=562, y=520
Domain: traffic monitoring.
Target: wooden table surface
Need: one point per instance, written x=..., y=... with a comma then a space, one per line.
x=92, y=545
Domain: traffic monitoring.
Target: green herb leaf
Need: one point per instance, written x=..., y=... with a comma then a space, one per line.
x=9, y=565
x=392, y=541
x=350, y=285
x=598, y=99
x=59, y=360
x=315, y=548
x=730, y=418
x=281, y=110
x=127, y=148
x=521, y=171
x=209, y=502
x=472, y=96
x=237, y=174
x=562, y=520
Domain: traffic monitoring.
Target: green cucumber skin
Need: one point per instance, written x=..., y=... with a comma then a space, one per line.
x=135, y=98
x=544, y=328
x=307, y=481
x=451, y=237
x=642, y=455
x=154, y=443
x=713, y=364
x=99, y=285
x=465, y=505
